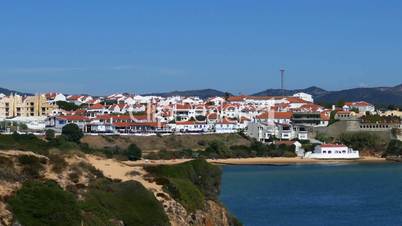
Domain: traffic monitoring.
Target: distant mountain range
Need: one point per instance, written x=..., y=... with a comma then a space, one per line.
x=315, y=91
x=376, y=95
x=202, y=93
x=8, y=92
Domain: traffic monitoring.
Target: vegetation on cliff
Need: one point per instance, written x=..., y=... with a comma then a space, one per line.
x=191, y=183
x=394, y=149
x=128, y=202
x=40, y=203
x=58, y=167
x=86, y=197
x=362, y=141
x=218, y=149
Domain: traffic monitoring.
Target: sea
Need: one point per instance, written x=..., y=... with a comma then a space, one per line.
x=314, y=195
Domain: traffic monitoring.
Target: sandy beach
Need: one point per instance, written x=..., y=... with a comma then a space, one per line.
x=257, y=161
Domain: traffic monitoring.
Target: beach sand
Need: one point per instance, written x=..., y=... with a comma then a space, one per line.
x=257, y=161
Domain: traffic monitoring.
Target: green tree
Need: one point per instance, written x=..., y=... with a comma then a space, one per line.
x=67, y=106
x=227, y=95
x=218, y=149
x=72, y=132
x=332, y=119
x=340, y=103
x=50, y=134
x=134, y=153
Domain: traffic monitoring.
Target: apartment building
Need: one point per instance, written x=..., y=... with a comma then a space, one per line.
x=24, y=106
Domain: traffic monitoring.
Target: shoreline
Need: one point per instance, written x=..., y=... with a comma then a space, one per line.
x=260, y=161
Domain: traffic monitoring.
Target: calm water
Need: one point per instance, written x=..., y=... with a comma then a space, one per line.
x=348, y=194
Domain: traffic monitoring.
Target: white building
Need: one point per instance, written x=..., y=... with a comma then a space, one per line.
x=189, y=127
x=362, y=106
x=304, y=96
x=333, y=151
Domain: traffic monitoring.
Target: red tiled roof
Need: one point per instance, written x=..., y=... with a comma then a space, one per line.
x=243, y=119
x=183, y=106
x=296, y=100
x=333, y=145
x=186, y=123
x=275, y=115
x=227, y=121
x=74, y=97
x=96, y=106
x=324, y=116
x=212, y=116
x=74, y=118
x=128, y=124
x=344, y=112
x=358, y=104
x=236, y=98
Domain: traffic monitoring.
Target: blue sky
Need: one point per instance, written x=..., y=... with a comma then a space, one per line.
x=100, y=47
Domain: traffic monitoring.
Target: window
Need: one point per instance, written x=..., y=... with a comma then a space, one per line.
x=329, y=152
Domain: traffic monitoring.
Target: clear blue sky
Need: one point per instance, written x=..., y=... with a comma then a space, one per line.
x=99, y=47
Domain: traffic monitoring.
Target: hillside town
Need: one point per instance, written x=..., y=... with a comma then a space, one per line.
x=261, y=117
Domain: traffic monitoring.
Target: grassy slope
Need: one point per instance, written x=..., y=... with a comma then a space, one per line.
x=155, y=143
x=189, y=183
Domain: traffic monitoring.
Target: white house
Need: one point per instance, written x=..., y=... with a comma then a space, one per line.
x=226, y=126
x=362, y=106
x=333, y=151
x=304, y=96
x=216, y=100
x=189, y=126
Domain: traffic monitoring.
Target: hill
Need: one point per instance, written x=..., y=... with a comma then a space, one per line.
x=8, y=92
x=315, y=91
x=202, y=93
x=382, y=96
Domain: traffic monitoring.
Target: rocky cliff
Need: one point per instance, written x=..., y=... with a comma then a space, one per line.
x=96, y=184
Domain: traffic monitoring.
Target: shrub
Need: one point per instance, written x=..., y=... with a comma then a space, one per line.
x=219, y=148
x=58, y=162
x=133, y=152
x=74, y=177
x=394, y=148
x=186, y=193
x=32, y=166
x=362, y=140
x=44, y=203
x=324, y=138
x=128, y=201
x=7, y=171
x=72, y=133
x=50, y=134
x=24, y=142
x=205, y=176
x=202, y=143
x=67, y=106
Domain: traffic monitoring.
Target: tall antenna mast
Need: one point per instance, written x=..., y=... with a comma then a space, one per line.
x=282, y=81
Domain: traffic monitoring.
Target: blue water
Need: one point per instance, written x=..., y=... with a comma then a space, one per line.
x=322, y=195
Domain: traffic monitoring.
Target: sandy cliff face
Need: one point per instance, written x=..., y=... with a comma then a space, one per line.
x=214, y=214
